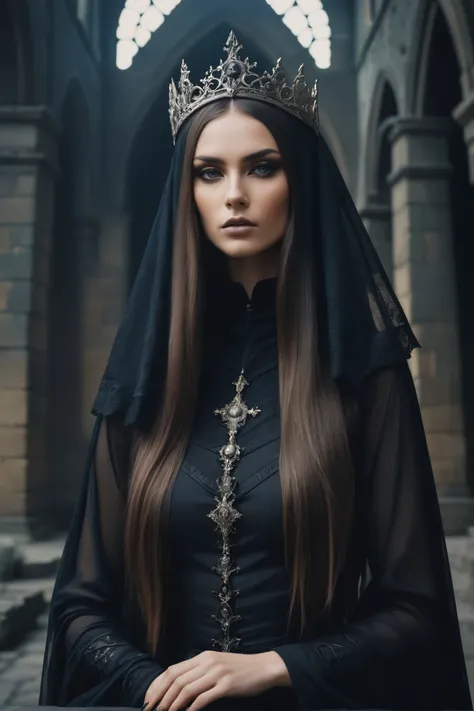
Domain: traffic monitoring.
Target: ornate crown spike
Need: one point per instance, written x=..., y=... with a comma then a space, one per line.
x=235, y=77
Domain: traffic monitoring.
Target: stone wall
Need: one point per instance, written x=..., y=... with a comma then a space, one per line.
x=32, y=495
x=27, y=171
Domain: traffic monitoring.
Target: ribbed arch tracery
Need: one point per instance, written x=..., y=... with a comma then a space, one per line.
x=306, y=19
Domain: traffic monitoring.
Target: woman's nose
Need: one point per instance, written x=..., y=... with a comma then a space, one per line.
x=236, y=196
x=239, y=200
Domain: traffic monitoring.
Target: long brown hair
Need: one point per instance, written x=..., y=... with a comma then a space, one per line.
x=315, y=461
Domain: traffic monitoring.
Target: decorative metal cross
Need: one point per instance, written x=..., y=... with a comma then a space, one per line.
x=234, y=416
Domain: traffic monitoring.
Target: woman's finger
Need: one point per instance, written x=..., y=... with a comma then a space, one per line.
x=183, y=682
x=164, y=681
x=190, y=692
x=206, y=698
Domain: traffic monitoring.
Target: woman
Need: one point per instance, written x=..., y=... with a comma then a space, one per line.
x=258, y=527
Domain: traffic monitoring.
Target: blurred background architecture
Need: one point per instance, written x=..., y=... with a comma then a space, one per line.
x=85, y=147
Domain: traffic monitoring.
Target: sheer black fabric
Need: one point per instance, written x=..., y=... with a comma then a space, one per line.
x=93, y=648
x=394, y=645
x=400, y=647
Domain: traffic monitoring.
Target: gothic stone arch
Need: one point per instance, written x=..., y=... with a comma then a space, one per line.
x=383, y=83
x=462, y=34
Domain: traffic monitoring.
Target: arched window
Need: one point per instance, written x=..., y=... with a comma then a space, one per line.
x=309, y=22
x=138, y=20
x=307, y=19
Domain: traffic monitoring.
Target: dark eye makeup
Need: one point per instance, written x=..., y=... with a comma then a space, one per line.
x=264, y=169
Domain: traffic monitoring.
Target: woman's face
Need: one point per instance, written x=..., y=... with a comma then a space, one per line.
x=238, y=174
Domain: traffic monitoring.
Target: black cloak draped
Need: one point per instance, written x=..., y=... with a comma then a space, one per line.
x=401, y=646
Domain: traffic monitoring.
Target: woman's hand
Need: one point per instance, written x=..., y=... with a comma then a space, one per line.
x=196, y=682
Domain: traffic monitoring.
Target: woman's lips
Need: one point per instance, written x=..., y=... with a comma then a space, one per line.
x=238, y=230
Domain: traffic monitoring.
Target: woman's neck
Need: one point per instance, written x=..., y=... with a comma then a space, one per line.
x=248, y=271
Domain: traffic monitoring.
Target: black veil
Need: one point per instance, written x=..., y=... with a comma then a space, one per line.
x=367, y=331
x=367, y=328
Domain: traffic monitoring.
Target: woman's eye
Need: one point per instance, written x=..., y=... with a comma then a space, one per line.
x=208, y=173
x=265, y=169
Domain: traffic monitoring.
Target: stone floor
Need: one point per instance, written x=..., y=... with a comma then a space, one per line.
x=20, y=669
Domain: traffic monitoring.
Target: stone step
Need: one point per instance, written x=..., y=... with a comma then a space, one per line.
x=9, y=558
x=40, y=559
x=21, y=603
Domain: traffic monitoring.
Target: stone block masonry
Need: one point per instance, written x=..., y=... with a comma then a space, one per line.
x=27, y=173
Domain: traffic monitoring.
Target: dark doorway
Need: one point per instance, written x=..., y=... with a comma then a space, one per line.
x=8, y=56
x=152, y=150
x=443, y=93
x=65, y=427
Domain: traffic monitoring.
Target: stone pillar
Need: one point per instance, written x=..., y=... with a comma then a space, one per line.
x=28, y=144
x=377, y=218
x=423, y=271
x=464, y=115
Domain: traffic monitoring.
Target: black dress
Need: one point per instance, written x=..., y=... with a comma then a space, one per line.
x=395, y=650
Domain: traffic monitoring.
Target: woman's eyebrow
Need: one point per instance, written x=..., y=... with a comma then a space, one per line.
x=246, y=159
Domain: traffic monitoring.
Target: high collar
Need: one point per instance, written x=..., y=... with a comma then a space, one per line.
x=263, y=294
x=241, y=331
x=230, y=297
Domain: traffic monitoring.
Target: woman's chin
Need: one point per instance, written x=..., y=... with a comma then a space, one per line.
x=241, y=249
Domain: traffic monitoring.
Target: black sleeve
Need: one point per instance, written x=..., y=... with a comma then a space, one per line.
x=90, y=659
x=402, y=648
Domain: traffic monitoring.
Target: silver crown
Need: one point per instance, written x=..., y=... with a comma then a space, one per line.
x=235, y=77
